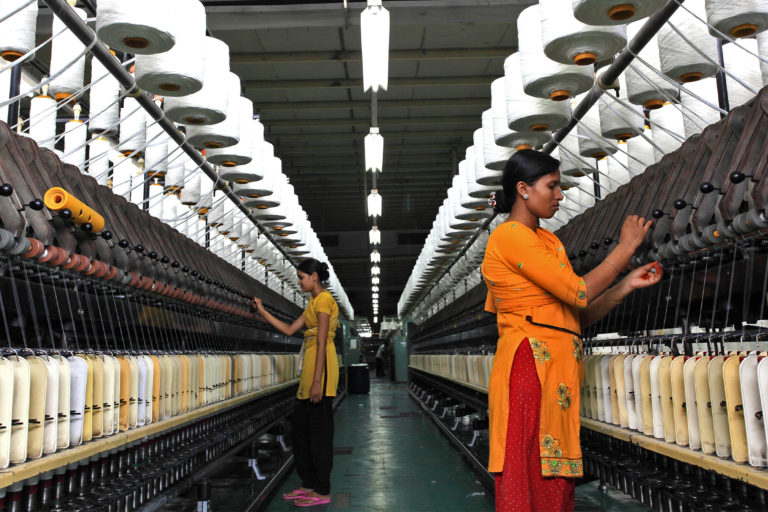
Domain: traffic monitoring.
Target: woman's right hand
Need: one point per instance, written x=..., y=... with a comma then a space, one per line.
x=257, y=305
x=633, y=231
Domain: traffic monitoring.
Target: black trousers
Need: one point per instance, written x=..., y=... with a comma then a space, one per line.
x=312, y=426
x=379, y=367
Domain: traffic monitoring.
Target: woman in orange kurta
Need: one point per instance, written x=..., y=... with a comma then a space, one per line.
x=540, y=303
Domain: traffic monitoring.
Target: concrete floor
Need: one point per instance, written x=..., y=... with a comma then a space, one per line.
x=389, y=459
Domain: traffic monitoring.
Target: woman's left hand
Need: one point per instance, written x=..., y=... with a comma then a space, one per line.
x=644, y=276
x=316, y=392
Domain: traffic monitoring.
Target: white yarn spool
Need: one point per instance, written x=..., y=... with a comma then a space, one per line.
x=138, y=180
x=64, y=48
x=569, y=41
x=500, y=142
x=616, y=173
x=762, y=47
x=543, y=77
x=526, y=113
x=190, y=194
x=42, y=121
x=169, y=207
x=226, y=133
x=122, y=174
x=155, y=157
x=17, y=33
x=591, y=143
x=585, y=191
x=483, y=179
x=5, y=89
x=278, y=183
x=644, y=86
x=155, y=200
x=181, y=70
x=98, y=160
x=696, y=114
x=141, y=27
x=104, y=99
x=679, y=60
x=616, y=120
x=571, y=163
x=742, y=18
x=206, y=194
x=641, y=154
x=242, y=152
x=746, y=67
x=176, y=168
x=614, y=12
x=209, y=104
x=466, y=167
x=670, y=118
x=75, y=134
x=262, y=169
x=493, y=157
x=133, y=127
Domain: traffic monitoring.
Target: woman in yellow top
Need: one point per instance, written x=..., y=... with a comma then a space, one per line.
x=312, y=419
x=541, y=304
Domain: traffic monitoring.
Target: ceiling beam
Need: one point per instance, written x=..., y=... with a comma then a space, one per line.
x=336, y=83
x=384, y=121
x=383, y=104
x=354, y=56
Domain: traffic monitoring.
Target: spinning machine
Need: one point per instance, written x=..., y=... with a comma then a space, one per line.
x=131, y=246
x=675, y=378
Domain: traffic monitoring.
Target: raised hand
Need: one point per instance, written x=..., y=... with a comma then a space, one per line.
x=633, y=231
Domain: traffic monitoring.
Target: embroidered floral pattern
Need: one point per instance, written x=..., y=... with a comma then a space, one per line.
x=578, y=351
x=540, y=350
x=582, y=295
x=520, y=265
x=564, y=396
x=562, y=467
x=551, y=447
x=562, y=265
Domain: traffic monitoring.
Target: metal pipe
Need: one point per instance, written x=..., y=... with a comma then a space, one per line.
x=611, y=74
x=78, y=27
x=15, y=89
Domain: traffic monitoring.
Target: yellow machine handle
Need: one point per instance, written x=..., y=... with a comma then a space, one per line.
x=58, y=199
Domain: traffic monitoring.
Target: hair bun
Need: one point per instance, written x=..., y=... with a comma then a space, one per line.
x=499, y=202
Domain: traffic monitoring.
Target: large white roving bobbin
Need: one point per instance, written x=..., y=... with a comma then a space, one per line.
x=141, y=27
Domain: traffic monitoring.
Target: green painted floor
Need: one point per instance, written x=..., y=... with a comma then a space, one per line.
x=387, y=461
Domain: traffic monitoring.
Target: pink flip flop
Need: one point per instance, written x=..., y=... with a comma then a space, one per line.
x=311, y=501
x=294, y=495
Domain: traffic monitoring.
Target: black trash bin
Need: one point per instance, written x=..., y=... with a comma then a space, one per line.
x=359, y=379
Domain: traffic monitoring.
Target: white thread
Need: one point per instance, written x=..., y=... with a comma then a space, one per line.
x=274, y=177
x=261, y=172
x=169, y=208
x=502, y=135
x=133, y=134
x=63, y=47
x=98, y=160
x=569, y=41
x=175, y=168
x=484, y=179
x=156, y=153
x=190, y=194
x=494, y=156
x=525, y=113
x=17, y=33
x=641, y=154
x=104, y=99
x=616, y=120
x=746, y=67
x=138, y=179
x=591, y=143
x=670, y=118
x=206, y=193
x=614, y=12
x=617, y=171
x=122, y=173
x=5, y=89
x=543, y=77
x=181, y=70
x=737, y=18
x=644, y=87
x=209, y=104
x=679, y=60
x=140, y=27
x=75, y=134
x=155, y=200
x=226, y=133
x=699, y=115
x=42, y=121
x=570, y=163
x=242, y=152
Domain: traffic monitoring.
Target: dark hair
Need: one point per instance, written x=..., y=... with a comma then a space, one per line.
x=527, y=165
x=310, y=265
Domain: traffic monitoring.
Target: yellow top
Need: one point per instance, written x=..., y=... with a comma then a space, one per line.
x=530, y=281
x=323, y=303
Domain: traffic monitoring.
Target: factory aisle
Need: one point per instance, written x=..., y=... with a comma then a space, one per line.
x=391, y=457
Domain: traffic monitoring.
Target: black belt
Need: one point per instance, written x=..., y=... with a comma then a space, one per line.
x=561, y=329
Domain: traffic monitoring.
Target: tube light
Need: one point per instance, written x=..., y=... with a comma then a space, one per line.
x=374, y=39
x=374, y=203
x=374, y=236
x=374, y=151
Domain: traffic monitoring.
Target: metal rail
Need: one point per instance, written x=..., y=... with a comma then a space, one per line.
x=83, y=32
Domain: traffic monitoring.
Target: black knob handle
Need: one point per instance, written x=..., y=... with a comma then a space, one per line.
x=572, y=256
x=165, y=260
x=36, y=204
x=124, y=243
x=737, y=177
x=87, y=227
x=175, y=264
x=582, y=253
x=195, y=273
x=657, y=214
x=679, y=204
x=6, y=190
x=594, y=245
x=65, y=213
x=139, y=248
x=208, y=281
x=607, y=240
x=706, y=187
x=152, y=255
x=106, y=235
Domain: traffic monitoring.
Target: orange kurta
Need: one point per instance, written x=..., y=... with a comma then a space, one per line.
x=530, y=281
